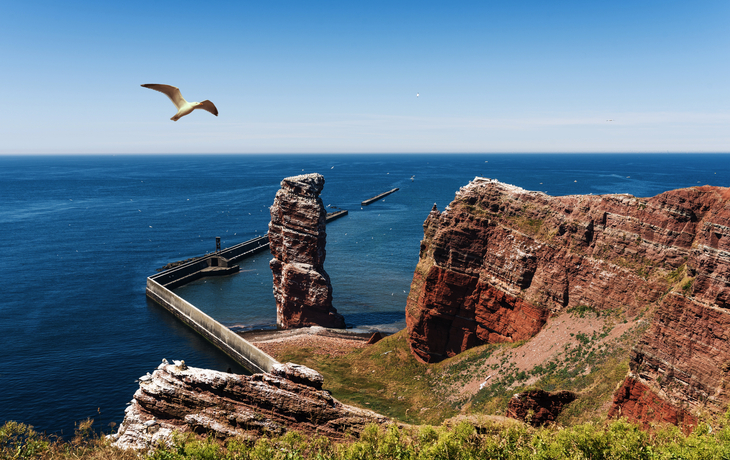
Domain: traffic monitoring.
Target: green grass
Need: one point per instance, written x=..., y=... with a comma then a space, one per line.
x=386, y=378
x=591, y=368
x=486, y=439
x=687, y=286
x=383, y=377
x=677, y=274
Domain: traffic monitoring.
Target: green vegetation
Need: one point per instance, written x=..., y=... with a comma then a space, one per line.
x=489, y=439
x=19, y=441
x=384, y=377
x=477, y=210
x=592, y=368
x=677, y=274
x=582, y=310
x=529, y=226
x=592, y=371
x=687, y=286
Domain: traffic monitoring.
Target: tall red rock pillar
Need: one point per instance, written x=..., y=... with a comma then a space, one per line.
x=297, y=237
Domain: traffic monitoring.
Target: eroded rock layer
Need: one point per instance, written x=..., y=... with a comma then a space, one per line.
x=538, y=407
x=297, y=236
x=500, y=259
x=180, y=398
x=639, y=403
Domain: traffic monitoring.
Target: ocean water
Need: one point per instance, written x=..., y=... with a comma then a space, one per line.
x=81, y=233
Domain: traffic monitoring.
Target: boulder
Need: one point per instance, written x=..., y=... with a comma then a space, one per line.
x=538, y=407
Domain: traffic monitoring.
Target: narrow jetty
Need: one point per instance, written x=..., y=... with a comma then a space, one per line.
x=336, y=215
x=220, y=262
x=376, y=198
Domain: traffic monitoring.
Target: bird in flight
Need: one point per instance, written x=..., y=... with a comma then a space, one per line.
x=183, y=107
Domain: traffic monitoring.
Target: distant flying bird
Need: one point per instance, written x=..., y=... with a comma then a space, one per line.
x=417, y=94
x=183, y=107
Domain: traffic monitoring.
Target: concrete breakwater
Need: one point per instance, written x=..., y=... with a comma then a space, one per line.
x=336, y=215
x=218, y=263
x=214, y=264
x=376, y=198
x=230, y=343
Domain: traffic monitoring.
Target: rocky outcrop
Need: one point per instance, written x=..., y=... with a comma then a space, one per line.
x=636, y=401
x=186, y=399
x=538, y=407
x=297, y=238
x=500, y=259
x=683, y=359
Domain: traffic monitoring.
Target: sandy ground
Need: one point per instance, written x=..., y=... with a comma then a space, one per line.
x=328, y=342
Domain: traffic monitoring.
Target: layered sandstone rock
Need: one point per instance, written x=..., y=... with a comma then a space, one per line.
x=186, y=399
x=500, y=259
x=297, y=237
x=538, y=407
x=639, y=403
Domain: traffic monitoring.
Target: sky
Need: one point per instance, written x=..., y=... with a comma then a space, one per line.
x=342, y=77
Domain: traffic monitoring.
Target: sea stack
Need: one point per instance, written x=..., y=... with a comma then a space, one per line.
x=297, y=237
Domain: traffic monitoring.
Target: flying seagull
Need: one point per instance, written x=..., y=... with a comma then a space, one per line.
x=183, y=107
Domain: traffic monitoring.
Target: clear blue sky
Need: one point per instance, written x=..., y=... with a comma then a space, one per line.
x=493, y=76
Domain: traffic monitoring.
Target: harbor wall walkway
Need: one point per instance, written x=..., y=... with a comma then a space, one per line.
x=230, y=343
x=214, y=264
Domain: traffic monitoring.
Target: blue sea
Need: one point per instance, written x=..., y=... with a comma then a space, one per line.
x=80, y=234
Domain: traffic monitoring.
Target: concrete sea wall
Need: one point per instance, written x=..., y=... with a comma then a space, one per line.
x=214, y=264
x=230, y=343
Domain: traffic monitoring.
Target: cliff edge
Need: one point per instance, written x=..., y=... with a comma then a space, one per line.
x=176, y=397
x=499, y=260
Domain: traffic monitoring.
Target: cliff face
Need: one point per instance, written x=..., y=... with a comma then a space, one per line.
x=180, y=398
x=297, y=237
x=499, y=260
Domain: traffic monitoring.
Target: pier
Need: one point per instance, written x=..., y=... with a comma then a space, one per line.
x=376, y=198
x=221, y=262
x=230, y=343
x=336, y=215
x=217, y=263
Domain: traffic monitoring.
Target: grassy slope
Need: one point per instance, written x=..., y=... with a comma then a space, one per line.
x=387, y=379
x=383, y=377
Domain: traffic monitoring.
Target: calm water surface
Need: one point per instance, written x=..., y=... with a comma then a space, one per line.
x=81, y=233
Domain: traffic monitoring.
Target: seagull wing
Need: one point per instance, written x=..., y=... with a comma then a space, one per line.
x=209, y=106
x=170, y=91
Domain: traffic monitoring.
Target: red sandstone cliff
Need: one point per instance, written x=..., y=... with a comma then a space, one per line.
x=297, y=236
x=499, y=260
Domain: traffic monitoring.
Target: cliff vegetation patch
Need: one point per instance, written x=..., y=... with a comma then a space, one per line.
x=465, y=439
x=581, y=350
